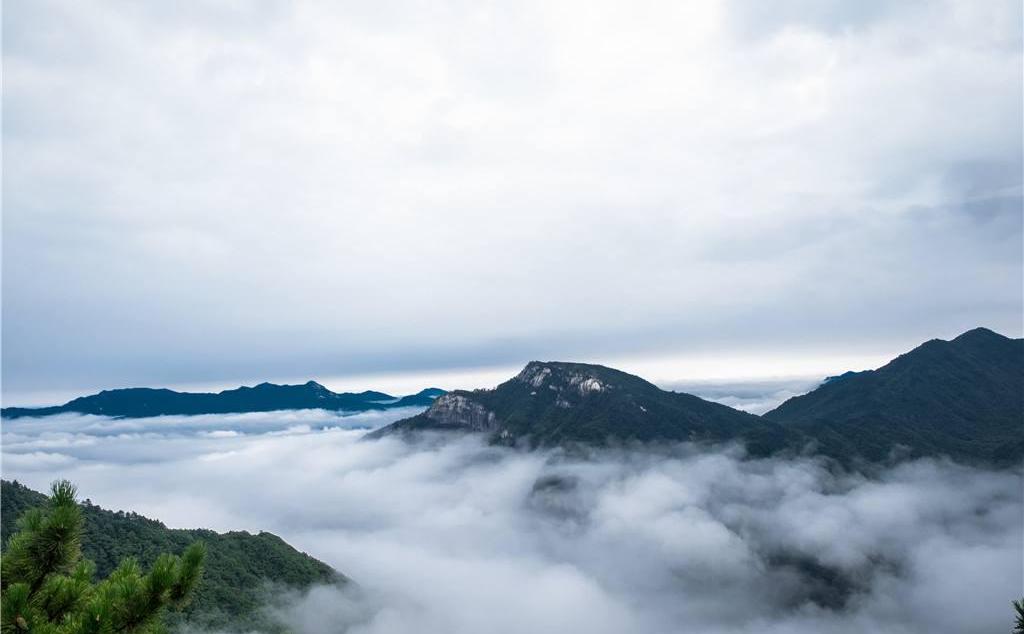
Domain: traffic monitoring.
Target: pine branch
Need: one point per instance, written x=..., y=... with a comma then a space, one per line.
x=47, y=588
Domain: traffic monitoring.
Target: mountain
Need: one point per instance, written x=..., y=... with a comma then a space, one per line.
x=140, y=402
x=551, y=403
x=239, y=565
x=963, y=398
x=423, y=398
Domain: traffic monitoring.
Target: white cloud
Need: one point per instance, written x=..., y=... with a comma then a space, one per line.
x=457, y=536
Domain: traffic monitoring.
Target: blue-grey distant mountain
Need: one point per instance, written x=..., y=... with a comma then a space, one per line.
x=141, y=402
x=962, y=398
x=553, y=403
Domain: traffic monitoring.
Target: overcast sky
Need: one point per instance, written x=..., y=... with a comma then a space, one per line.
x=212, y=192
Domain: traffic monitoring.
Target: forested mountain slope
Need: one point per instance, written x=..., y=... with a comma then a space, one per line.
x=239, y=565
x=553, y=403
x=963, y=398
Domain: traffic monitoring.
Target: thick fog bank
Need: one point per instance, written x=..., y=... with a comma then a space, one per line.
x=455, y=536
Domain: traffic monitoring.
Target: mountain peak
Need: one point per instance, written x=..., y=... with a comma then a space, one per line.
x=960, y=398
x=584, y=378
x=430, y=392
x=557, y=374
x=552, y=402
x=980, y=335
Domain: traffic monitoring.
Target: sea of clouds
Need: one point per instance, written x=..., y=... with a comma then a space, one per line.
x=451, y=535
x=754, y=396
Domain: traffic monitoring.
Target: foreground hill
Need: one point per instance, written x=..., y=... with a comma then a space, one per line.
x=551, y=403
x=140, y=402
x=239, y=565
x=963, y=398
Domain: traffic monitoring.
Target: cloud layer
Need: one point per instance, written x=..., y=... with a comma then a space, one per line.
x=251, y=191
x=460, y=537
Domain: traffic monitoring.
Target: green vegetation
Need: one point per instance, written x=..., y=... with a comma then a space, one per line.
x=241, y=568
x=962, y=398
x=47, y=587
x=1018, y=608
x=558, y=403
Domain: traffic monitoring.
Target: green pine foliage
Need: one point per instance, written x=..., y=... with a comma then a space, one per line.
x=242, y=570
x=47, y=588
x=1018, y=608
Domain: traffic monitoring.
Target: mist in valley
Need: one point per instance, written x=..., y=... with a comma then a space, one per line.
x=452, y=535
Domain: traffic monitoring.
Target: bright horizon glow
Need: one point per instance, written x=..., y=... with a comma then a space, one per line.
x=662, y=371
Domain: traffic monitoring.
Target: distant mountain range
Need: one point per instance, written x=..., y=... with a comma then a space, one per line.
x=240, y=566
x=141, y=402
x=963, y=398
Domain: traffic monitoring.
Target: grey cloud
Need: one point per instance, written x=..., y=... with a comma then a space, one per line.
x=829, y=16
x=290, y=189
x=756, y=397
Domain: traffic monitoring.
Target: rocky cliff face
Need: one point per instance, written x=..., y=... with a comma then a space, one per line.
x=552, y=403
x=560, y=377
x=459, y=410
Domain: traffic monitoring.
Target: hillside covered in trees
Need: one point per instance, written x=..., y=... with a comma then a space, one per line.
x=46, y=587
x=961, y=398
x=240, y=567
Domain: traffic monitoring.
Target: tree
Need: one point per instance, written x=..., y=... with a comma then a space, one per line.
x=46, y=587
x=1018, y=607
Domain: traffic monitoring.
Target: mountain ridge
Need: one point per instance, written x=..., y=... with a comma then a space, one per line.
x=144, y=402
x=553, y=402
x=962, y=398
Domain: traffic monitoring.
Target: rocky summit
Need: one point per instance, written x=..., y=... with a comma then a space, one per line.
x=962, y=398
x=552, y=403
